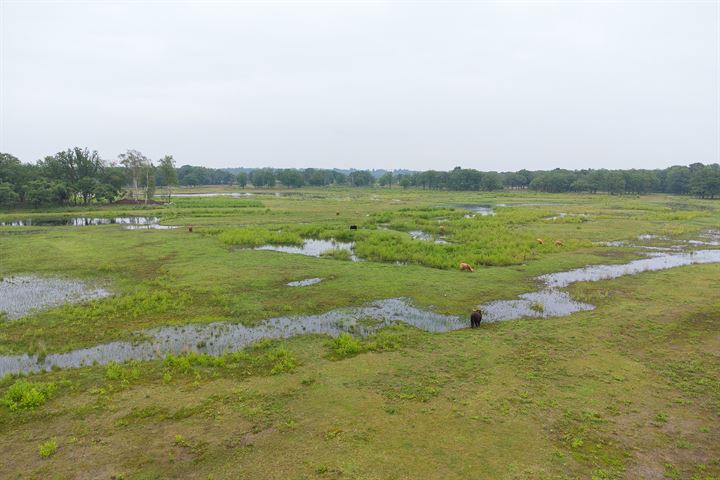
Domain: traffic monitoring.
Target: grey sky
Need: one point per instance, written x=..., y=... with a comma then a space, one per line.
x=420, y=85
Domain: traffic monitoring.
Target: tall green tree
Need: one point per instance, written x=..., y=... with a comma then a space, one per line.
x=77, y=167
x=386, y=180
x=242, y=179
x=360, y=178
x=8, y=196
x=168, y=174
x=263, y=177
x=290, y=178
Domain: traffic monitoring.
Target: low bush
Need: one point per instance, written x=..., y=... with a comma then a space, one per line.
x=24, y=395
x=346, y=345
x=48, y=449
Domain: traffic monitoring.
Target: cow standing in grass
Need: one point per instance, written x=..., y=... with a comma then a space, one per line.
x=465, y=267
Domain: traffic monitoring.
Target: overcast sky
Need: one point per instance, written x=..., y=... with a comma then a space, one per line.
x=420, y=85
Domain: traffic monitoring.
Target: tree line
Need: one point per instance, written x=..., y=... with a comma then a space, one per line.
x=79, y=176
x=696, y=179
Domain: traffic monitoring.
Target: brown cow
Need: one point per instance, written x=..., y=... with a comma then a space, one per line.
x=465, y=267
x=559, y=243
x=442, y=229
x=190, y=228
x=541, y=241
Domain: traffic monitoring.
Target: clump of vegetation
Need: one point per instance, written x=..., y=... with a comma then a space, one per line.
x=345, y=345
x=123, y=373
x=538, y=307
x=257, y=360
x=482, y=240
x=281, y=360
x=661, y=418
x=24, y=395
x=130, y=306
x=255, y=237
x=337, y=254
x=48, y=449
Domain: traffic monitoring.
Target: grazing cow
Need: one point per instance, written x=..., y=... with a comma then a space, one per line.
x=475, y=318
x=559, y=243
x=541, y=241
x=465, y=267
x=190, y=228
x=442, y=229
x=353, y=227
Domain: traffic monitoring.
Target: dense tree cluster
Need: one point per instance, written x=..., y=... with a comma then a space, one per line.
x=192, y=176
x=78, y=175
x=292, y=178
x=456, y=179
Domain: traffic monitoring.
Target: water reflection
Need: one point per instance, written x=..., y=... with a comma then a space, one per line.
x=482, y=210
x=23, y=294
x=425, y=236
x=80, y=221
x=313, y=248
x=304, y=283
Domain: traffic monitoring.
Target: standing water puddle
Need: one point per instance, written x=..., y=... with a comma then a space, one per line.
x=482, y=210
x=129, y=222
x=22, y=294
x=313, y=248
x=219, y=337
x=225, y=194
x=304, y=283
x=420, y=235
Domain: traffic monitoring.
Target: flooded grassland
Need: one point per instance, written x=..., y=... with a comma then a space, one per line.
x=253, y=334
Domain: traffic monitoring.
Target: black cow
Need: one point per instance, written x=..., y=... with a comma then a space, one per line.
x=353, y=227
x=475, y=318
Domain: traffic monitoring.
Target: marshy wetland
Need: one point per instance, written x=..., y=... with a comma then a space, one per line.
x=165, y=353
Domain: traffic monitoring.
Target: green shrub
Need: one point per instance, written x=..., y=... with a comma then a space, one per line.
x=346, y=345
x=48, y=449
x=282, y=360
x=124, y=373
x=24, y=395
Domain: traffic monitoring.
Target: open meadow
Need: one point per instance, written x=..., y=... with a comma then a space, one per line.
x=191, y=353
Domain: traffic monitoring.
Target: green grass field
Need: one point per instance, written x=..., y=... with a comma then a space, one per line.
x=628, y=390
